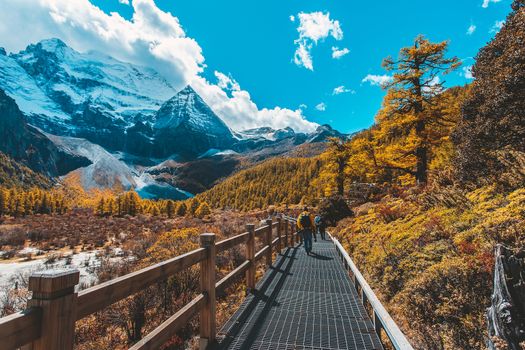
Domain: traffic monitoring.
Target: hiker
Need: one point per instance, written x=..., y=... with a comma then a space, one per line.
x=305, y=223
x=320, y=226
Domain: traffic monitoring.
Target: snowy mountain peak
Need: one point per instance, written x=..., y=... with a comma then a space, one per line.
x=188, y=119
x=188, y=90
x=188, y=107
x=51, y=45
x=46, y=50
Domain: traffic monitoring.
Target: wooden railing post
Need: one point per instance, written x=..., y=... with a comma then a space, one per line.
x=269, y=242
x=54, y=292
x=286, y=225
x=279, y=223
x=207, y=283
x=250, y=254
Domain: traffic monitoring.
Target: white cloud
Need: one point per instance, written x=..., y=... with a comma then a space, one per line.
x=125, y=2
x=303, y=57
x=487, y=2
x=321, y=107
x=497, y=26
x=377, y=80
x=467, y=72
x=226, y=82
x=303, y=106
x=151, y=38
x=338, y=53
x=313, y=27
x=342, y=90
x=292, y=18
x=433, y=86
x=471, y=29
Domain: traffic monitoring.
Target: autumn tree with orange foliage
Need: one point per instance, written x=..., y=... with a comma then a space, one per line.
x=410, y=121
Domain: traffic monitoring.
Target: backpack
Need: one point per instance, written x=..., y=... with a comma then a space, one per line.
x=304, y=220
x=318, y=220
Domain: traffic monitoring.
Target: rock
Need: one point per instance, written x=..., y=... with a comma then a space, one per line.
x=506, y=315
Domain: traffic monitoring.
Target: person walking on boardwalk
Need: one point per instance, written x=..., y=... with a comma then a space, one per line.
x=320, y=226
x=305, y=223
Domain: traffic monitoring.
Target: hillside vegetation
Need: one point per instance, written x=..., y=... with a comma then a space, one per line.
x=14, y=174
x=276, y=181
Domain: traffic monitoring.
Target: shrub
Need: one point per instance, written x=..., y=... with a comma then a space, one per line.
x=333, y=209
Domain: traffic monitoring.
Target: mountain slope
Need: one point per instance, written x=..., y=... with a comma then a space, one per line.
x=28, y=145
x=275, y=181
x=14, y=174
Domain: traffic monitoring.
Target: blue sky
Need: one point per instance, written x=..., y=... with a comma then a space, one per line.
x=254, y=42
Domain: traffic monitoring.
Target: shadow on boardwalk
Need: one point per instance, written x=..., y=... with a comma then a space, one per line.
x=258, y=295
x=302, y=302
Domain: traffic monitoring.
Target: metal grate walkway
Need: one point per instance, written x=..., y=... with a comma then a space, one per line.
x=302, y=302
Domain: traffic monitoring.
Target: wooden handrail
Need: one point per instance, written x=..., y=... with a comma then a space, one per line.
x=232, y=242
x=261, y=230
x=20, y=328
x=261, y=253
x=160, y=335
x=102, y=295
x=380, y=317
x=54, y=295
x=227, y=280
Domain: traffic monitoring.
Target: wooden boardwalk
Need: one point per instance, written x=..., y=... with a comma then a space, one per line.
x=302, y=302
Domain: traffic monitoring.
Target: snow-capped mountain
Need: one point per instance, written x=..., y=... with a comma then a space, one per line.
x=189, y=120
x=88, y=95
x=265, y=133
x=116, y=123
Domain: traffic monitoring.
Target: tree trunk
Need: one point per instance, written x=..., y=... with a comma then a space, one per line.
x=506, y=315
x=421, y=154
x=341, y=178
x=422, y=165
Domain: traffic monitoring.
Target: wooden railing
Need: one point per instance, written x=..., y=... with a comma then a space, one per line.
x=380, y=317
x=49, y=321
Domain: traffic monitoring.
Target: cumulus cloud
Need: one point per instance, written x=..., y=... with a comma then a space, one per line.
x=313, y=27
x=303, y=106
x=240, y=112
x=342, y=90
x=338, y=53
x=471, y=29
x=487, y=2
x=125, y=2
x=292, y=18
x=303, y=56
x=497, y=26
x=377, y=80
x=152, y=38
x=467, y=72
x=321, y=107
x=226, y=82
